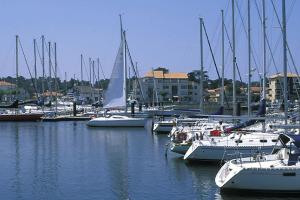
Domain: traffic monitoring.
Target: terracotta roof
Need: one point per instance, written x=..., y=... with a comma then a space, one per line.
x=160, y=74
x=289, y=75
x=4, y=83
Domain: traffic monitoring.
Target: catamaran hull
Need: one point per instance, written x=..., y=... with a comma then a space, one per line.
x=218, y=153
x=135, y=122
x=262, y=180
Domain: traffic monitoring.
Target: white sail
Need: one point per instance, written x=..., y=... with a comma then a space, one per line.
x=115, y=95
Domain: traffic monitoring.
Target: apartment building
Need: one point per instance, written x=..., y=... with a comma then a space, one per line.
x=275, y=87
x=164, y=86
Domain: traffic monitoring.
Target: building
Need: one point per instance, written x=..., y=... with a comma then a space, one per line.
x=163, y=86
x=6, y=86
x=275, y=87
x=8, y=92
x=214, y=95
x=87, y=94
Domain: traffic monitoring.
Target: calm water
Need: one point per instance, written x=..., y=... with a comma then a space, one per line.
x=68, y=160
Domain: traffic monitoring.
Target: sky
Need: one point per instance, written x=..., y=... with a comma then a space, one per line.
x=159, y=33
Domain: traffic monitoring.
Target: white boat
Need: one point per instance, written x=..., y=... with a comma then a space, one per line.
x=115, y=95
x=234, y=145
x=275, y=173
x=163, y=126
x=182, y=137
x=117, y=121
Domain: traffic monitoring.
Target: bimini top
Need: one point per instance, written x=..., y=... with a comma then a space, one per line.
x=294, y=139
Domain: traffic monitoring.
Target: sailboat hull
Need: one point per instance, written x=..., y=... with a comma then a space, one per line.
x=277, y=180
x=117, y=122
x=217, y=153
x=180, y=148
x=21, y=117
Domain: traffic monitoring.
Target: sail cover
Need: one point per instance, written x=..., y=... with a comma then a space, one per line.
x=114, y=97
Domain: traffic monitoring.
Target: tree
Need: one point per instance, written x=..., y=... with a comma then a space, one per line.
x=163, y=94
x=196, y=74
x=165, y=70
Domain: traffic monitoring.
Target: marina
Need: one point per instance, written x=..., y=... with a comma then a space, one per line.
x=80, y=120
x=67, y=160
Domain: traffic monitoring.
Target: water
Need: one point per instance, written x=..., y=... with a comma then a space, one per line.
x=67, y=160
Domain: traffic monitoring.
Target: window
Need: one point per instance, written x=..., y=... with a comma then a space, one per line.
x=195, y=87
x=165, y=87
x=183, y=87
x=183, y=93
x=263, y=141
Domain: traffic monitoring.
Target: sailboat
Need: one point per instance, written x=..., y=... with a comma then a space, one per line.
x=12, y=112
x=274, y=173
x=116, y=94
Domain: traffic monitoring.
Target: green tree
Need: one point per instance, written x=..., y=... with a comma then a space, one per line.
x=165, y=70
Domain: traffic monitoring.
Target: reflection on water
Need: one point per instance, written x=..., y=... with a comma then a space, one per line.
x=68, y=160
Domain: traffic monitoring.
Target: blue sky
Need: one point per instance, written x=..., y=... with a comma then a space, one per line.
x=160, y=33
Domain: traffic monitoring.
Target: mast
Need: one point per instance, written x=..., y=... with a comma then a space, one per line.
x=50, y=74
x=93, y=85
x=264, y=59
x=17, y=67
x=264, y=51
x=35, y=72
x=123, y=35
x=90, y=68
x=93, y=65
x=201, y=66
x=125, y=71
x=249, y=60
x=285, y=93
x=135, y=81
x=98, y=71
x=223, y=60
x=233, y=62
x=81, y=73
x=55, y=74
x=43, y=63
x=98, y=77
x=66, y=85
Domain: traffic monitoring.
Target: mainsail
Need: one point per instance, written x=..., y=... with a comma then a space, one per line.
x=115, y=94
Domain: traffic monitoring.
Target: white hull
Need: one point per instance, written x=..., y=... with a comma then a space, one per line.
x=117, y=122
x=217, y=153
x=162, y=127
x=259, y=176
x=275, y=173
x=180, y=148
x=265, y=180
